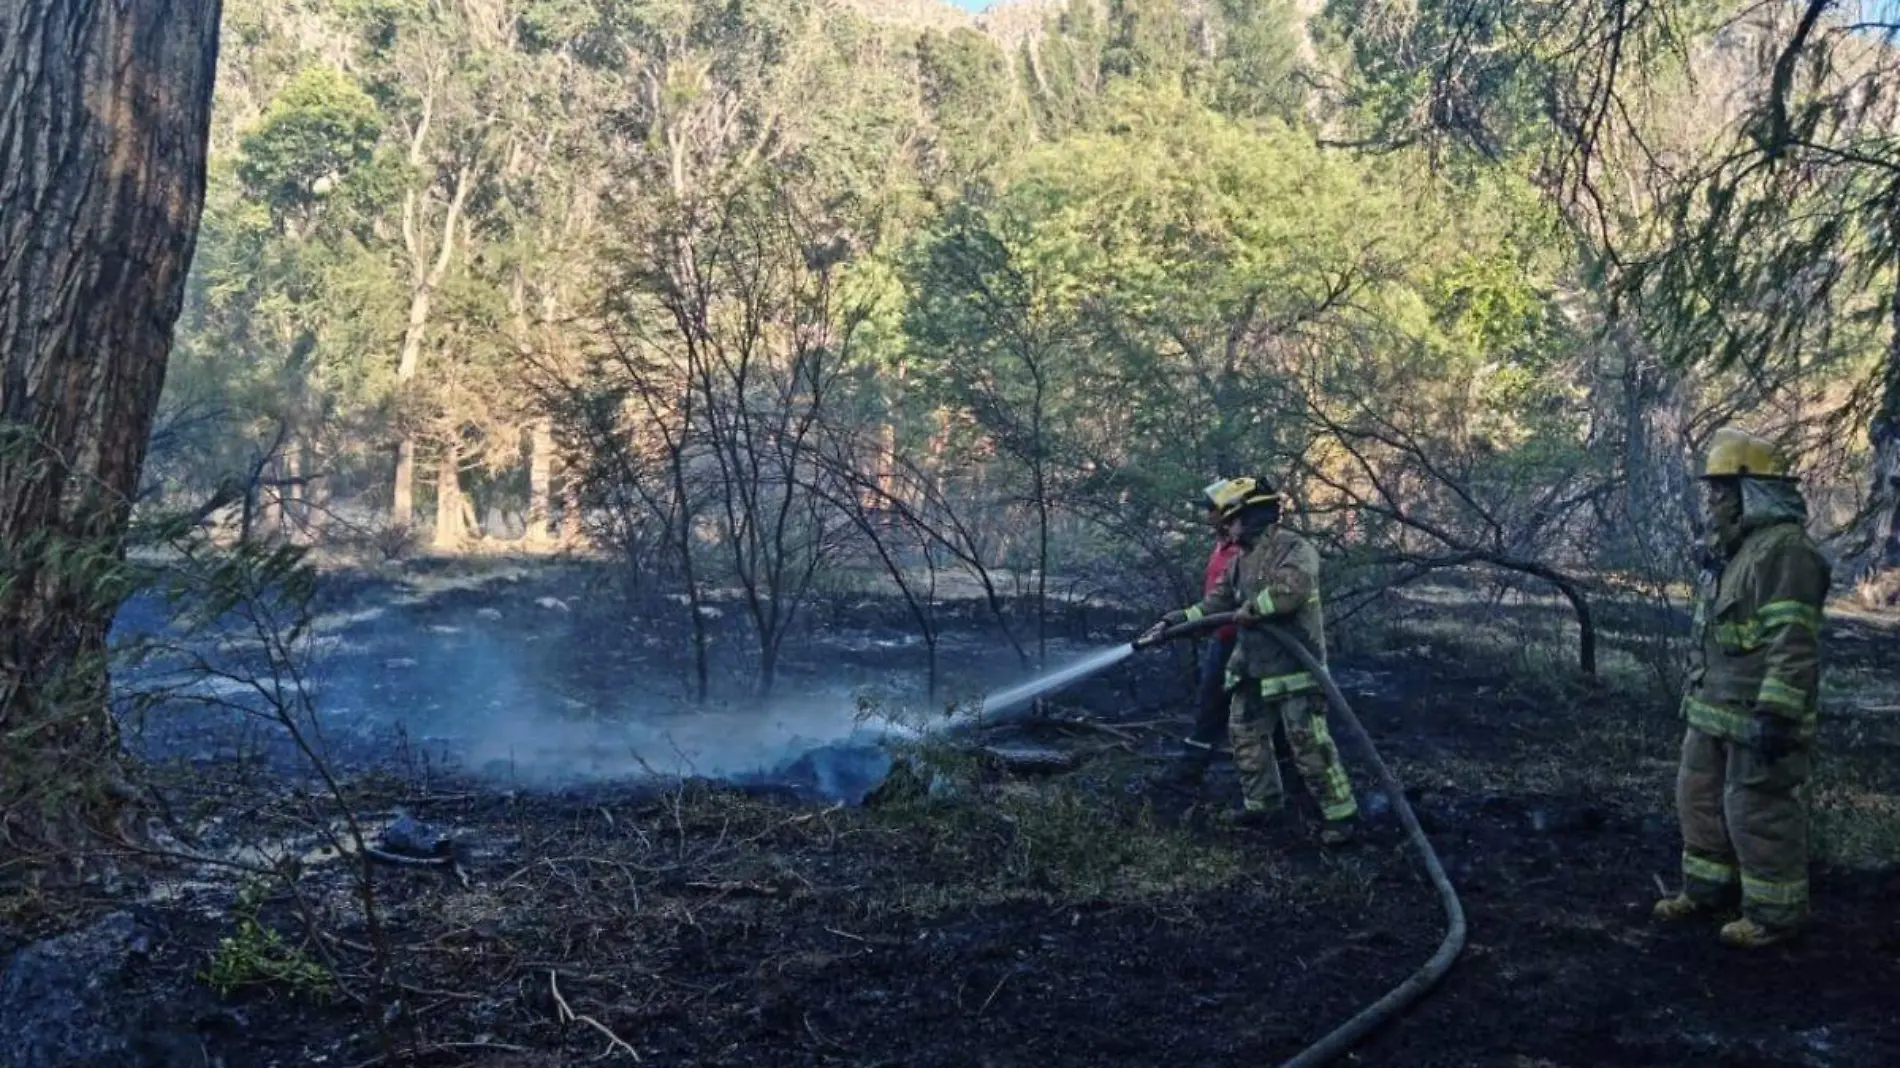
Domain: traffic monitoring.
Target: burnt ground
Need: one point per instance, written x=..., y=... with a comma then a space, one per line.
x=975, y=915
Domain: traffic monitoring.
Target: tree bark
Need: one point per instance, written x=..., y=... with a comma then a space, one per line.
x=296, y=508
x=571, y=506
x=316, y=499
x=402, y=505
x=540, y=481
x=448, y=499
x=105, y=110
x=1884, y=434
x=270, y=497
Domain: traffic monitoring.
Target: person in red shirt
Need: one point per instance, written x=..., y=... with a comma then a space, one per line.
x=1210, y=719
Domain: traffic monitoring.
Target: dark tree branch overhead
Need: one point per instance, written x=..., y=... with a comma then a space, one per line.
x=1779, y=131
x=1764, y=255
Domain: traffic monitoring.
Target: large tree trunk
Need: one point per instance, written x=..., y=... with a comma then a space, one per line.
x=425, y=276
x=296, y=510
x=448, y=499
x=270, y=497
x=540, y=481
x=571, y=505
x=1886, y=503
x=105, y=112
x=1885, y=434
x=1659, y=504
x=316, y=494
x=402, y=505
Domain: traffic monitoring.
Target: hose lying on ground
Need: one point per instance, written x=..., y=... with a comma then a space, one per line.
x=1400, y=997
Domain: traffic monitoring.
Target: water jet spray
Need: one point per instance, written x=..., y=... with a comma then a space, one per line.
x=851, y=769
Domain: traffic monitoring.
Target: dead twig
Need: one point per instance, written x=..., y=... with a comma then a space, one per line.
x=808, y=816
x=553, y=865
x=568, y=1015
x=995, y=991
x=759, y=889
x=440, y=1047
x=821, y=1039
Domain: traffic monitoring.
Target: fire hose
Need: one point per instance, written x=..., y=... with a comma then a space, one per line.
x=1416, y=986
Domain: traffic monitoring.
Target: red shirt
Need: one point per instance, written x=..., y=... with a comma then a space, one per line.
x=1224, y=554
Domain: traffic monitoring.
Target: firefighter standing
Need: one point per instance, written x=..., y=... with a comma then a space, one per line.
x=1752, y=701
x=1210, y=722
x=1275, y=579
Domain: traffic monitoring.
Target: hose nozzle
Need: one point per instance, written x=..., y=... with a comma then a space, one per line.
x=1159, y=633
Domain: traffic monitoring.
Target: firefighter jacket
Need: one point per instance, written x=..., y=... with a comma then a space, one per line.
x=1758, y=623
x=1277, y=579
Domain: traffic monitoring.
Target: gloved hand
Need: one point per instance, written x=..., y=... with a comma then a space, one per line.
x=1776, y=736
x=1154, y=632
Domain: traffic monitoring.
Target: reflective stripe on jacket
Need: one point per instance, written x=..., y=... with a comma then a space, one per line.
x=1758, y=637
x=1279, y=577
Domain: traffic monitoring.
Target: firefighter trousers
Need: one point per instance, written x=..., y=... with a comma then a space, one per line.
x=1744, y=828
x=1211, y=711
x=1250, y=725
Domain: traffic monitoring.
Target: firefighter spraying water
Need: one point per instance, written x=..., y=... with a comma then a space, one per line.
x=1276, y=674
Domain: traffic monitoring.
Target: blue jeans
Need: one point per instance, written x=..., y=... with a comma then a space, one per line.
x=1210, y=718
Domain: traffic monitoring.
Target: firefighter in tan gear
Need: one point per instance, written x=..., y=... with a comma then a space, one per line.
x=1275, y=579
x=1751, y=701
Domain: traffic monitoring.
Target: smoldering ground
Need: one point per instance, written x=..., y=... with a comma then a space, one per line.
x=540, y=680
x=1065, y=917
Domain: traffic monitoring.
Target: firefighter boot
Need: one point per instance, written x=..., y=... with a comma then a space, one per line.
x=1679, y=908
x=1749, y=934
x=1254, y=815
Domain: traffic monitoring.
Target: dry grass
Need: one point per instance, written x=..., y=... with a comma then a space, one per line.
x=1056, y=843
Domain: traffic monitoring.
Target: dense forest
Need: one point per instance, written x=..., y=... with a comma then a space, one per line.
x=747, y=290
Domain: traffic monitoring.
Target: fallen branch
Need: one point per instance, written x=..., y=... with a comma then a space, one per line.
x=447, y=863
x=567, y=1015
x=400, y=860
x=1100, y=728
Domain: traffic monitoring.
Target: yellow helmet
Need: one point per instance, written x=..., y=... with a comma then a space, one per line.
x=1734, y=452
x=1231, y=495
x=1218, y=493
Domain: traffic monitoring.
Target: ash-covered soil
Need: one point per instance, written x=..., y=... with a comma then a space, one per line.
x=975, y=912
x=536, y=674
